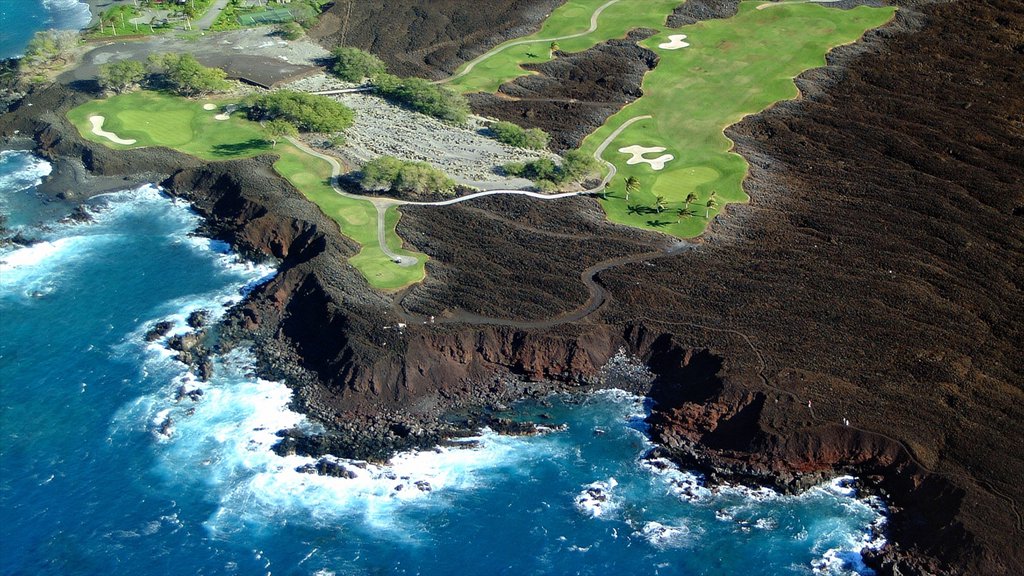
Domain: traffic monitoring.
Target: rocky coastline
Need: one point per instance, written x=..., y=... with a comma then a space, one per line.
x=722, y=407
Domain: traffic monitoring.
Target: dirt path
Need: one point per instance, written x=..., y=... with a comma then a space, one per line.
x=472, y=63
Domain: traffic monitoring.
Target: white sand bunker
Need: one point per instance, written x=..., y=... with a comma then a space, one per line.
x=675, y=42
x=97, y=129
x=221, y=117
x=638, y=158
x=209, y=106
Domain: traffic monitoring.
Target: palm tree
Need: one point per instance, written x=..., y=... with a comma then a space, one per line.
x=554, y=46
x=632, y=185
x=711, y=205
x=659, y=204
x=683, y=213
x=691, y=197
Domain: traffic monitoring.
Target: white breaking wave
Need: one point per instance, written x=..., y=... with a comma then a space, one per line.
x=68, y=14
x=32, y=174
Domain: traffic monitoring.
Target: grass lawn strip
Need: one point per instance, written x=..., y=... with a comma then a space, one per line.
x=733, y=67
x=155, y=119
x=504, y=62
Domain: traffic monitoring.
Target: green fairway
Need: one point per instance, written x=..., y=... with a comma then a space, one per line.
x=569, y=19
x=155, y=119
x=731, y=68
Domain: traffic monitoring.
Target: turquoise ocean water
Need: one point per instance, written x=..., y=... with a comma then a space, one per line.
x=20, y=19
x=90, y=485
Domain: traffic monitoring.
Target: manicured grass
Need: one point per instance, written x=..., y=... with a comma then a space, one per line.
x=156, y=119
x=570, y=18
x=733, y=67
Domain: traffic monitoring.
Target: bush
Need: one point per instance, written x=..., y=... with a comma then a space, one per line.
x=291, y=31
x=308, y=112
x=415, y=178
x=353, y=64
x=186, y=76
x=424, y=97
x=121, y=76
x=514, y=135
x=576, y=165
x=48, y=48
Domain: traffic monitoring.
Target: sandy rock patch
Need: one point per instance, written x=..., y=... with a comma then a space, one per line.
x=637, y=156
x=97, y=129
x=675, y=42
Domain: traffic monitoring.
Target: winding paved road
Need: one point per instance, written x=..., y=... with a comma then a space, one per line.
x=381, y=204
x=497, y=49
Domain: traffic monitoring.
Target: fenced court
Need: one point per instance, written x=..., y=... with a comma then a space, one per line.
x=274, y=16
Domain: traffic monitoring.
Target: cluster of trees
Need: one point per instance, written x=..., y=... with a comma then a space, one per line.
x=515, y=135
x=355, y=65
x=49, y=48
x=546, y=174
x=186, y=76
x=306, y=112
x=424, y=97
x=121, y=76
x=405, y=177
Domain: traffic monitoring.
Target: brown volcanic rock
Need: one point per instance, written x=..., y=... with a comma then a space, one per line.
x=428, y=39
x=571, y=96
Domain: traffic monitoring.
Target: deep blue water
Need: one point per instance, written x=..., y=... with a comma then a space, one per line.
x=89, y=485
x=20, y=19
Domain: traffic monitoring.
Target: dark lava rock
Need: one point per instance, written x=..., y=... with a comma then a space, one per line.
x=198, y=319
x=159, y=330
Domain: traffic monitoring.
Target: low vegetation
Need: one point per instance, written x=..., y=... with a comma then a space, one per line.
x=515, y=135
x=49, y=49
x=423, y=96
x=185, y=76
x=307, y=112
x=546, y=174
x=405, y=177
x=355, y=65
x=123, y=76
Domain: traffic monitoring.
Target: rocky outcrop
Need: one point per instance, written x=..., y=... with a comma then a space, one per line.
x=572, y=95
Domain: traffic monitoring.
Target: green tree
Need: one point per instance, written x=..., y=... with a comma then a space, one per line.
x=683, y=213
x=121, y=76
x=514, y=135
x=709, y=206
x=307, y=112
x=554, y=47
x=186, y=76
x=407, y=178
x=424, y=96
x=659, y=204
x=577, y=165
x=353, y=64
x=632, y=186
x=291, y=31
x=690, y=198
x=49, y=48
x=279, y=128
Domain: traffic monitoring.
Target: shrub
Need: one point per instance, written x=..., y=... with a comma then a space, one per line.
x=186, y=76
x=308, y=112
x=353, y=64
x=121, y=76
x=415, y=178
x=291, y=31
x=424, y=97
x=576, y=165
x=514, y=135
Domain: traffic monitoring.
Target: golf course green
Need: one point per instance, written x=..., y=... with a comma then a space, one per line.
x=709, y=76
x=157, y=119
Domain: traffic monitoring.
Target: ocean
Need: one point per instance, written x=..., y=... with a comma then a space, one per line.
x=108, y=469
x=20, y=19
